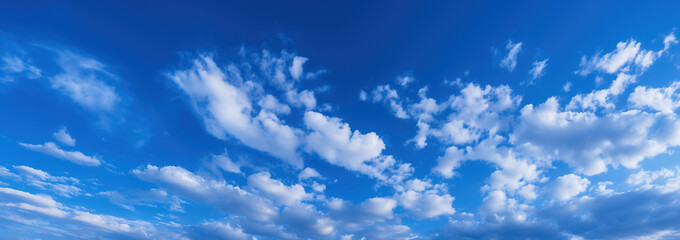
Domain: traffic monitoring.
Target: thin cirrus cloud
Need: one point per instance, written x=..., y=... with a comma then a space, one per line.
x=509, y=62
x=53, y=150
x=83, y=79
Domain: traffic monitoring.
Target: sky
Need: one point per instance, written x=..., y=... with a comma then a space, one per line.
x=339, y=120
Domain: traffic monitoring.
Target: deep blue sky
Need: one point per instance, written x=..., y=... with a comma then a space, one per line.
x=148, y=120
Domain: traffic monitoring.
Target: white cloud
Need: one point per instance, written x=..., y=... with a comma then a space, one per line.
x=13, y=195
x=568, y=186
x=405, y=79
x=318, y=187
x=662, y=180
x=363, y=96
x=227, y=111
x=603, y=98
x=48, y=211
x=296, y=68
x=384, y=93
x=309, y=173
x=218, y=230
x=538, y=67
x=669, y=40
x=567, y=87
x=304, y=98
x=226, y=197
x=627, y=57
x=426, y=204
x=664, y=100
x=276, y=190
x=509, y=62
x=498, y=207
x=64, y=138
x=64, y=186
x=513, y=172
x=84, y=80
x=335, y=142
x=590, y=143
x=378, y=207
x=417, y=185
x=14, y=66
x=476, y=112
x=272, y=104
x=52, y=149
x=225, y=163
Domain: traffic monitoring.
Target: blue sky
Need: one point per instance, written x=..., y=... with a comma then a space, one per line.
x=342, y=120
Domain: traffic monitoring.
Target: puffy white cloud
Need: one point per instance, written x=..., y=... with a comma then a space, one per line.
x=64, y=138
x=378, y=207
x=272, y=104
x=307, y=222
x=589, y=218
x=426, y=204
x=664, y=100
x=602, y=188
x=663, y=180
x=304, y=98
x=356, y=216
x=309, y=173
x=188, y=185
x=276, y=190
x=627, y=57
x=568, y=186
x=498, y=207
x=509, y=62
x=590, y=143
x=84, y=80
x=477, y=111
x=296, y=68
x=537, y=70
x=417, y=185
x=602, y=98
x=52, y=149
x=334, y=141
x=318, y=187
x=227, y=110
x=512, y=173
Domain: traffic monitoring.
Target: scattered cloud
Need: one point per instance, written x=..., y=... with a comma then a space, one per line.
x=509, y=62
x=53, y=150
x=64, y=137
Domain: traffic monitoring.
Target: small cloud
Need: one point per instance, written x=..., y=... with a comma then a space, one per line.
x=405, y=78
x=510, y=60
x=53, y=150
x=567, y=87
x=538, y=69
x=64, y=137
